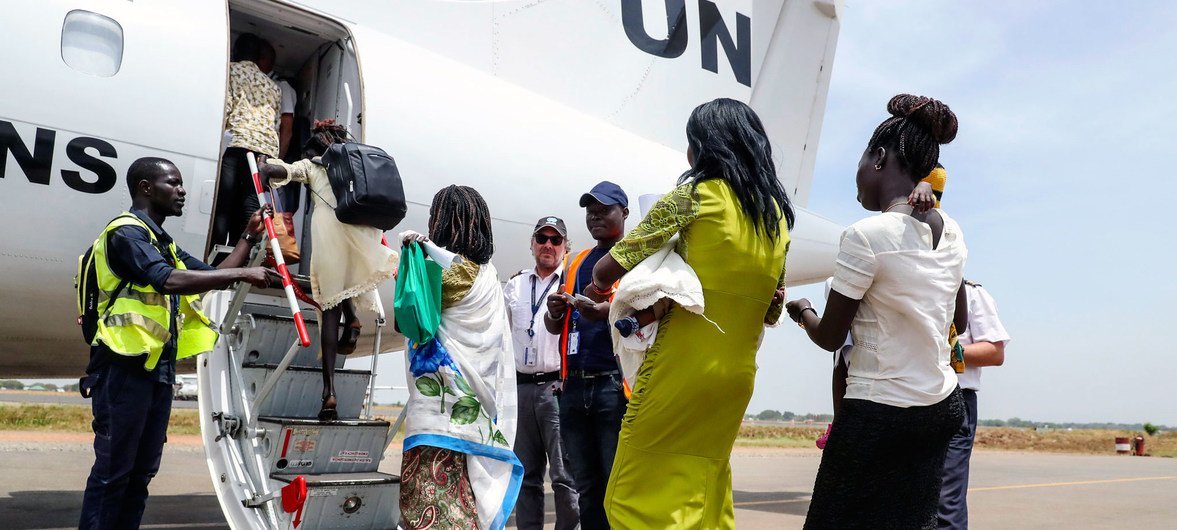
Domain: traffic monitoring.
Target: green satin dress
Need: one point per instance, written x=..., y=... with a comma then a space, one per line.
x=672, y=466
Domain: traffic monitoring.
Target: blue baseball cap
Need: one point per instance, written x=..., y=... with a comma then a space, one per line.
x=606, y=193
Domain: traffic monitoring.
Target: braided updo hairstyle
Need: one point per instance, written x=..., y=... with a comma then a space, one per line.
x=917, y=127
x=460, y=221
x=324, y=133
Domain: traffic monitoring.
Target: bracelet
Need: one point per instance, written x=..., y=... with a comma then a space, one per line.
x=250, y=238
x=599, y=291
x=801, y=316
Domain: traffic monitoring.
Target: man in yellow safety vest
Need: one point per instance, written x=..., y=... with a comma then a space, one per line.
x=149, y=317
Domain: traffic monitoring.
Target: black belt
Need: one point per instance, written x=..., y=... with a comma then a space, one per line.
x=544, y=377
x=581, y=374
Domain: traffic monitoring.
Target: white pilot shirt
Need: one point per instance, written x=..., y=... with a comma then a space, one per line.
x=984, y=326
x=539, y=353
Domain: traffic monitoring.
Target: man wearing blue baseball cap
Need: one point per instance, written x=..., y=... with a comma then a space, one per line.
x=592, y=401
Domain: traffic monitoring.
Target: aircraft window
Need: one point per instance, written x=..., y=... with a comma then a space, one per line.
x=92, y=43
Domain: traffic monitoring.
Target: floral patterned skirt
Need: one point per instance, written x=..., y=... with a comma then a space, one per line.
x=435, y=490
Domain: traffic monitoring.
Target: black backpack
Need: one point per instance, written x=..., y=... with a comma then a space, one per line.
x=366, y=184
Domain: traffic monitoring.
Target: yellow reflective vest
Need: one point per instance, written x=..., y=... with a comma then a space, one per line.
x=137, y=323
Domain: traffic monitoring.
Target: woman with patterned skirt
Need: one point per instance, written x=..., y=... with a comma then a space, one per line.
x=458, y=470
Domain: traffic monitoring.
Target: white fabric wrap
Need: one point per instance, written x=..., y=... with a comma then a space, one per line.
x=477, y=335
x=664, y=274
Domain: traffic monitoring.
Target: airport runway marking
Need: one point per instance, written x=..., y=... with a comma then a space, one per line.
x=1077, y=483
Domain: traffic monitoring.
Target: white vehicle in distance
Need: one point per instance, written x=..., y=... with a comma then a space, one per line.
x=185, y=387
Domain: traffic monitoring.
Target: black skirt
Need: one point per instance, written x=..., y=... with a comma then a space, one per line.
x=882, y=465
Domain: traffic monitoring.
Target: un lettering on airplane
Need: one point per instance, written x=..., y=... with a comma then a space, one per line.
x=713, y=34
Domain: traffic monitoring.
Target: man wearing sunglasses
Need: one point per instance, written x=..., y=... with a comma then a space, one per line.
x=537, y=362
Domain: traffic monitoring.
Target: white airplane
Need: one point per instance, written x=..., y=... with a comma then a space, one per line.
x=530, y=102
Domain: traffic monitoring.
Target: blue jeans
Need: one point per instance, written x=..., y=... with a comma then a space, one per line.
x=131, y=413
x=954, y=507
x=590, y=420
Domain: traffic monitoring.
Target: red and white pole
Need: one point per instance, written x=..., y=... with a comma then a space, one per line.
x=287, y=284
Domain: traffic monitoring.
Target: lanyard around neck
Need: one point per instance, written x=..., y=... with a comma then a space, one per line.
x=537, y=302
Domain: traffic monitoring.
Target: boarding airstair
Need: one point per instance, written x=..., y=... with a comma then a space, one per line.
x=260, y=392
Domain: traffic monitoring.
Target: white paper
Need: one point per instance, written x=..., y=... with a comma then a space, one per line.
x=442, y=256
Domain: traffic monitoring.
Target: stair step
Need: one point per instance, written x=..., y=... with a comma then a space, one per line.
x=323, y=480
x=263, y=334
x=295, y=446
x=298, y=392
x=350, y=500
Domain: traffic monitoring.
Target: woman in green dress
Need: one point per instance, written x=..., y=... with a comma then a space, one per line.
x=732, y=217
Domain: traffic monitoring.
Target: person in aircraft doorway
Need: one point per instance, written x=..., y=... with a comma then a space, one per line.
x=252, y=106
x=150, y=318
x=349, y=261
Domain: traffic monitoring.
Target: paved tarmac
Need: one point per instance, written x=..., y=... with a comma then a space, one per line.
x=43, y=475
x=66, y=398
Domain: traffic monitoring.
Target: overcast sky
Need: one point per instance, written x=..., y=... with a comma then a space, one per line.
x=1060, y=178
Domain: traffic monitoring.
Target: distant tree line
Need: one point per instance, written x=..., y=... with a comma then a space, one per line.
x=10, y=384
x=1031, y=424
x=775, y=415
x=1151, y=429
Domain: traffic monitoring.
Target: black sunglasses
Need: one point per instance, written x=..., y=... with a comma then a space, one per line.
x=541, y=239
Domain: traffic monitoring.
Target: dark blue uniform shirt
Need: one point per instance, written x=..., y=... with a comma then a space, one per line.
x=134, y=258
x=595, y=353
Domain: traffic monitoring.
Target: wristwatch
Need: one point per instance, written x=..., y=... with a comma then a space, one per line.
x=250, y=238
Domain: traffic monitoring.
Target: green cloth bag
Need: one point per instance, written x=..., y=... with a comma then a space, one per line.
x=417, y=303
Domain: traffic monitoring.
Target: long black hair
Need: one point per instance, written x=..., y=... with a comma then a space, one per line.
x=729, y=142
x=915, y=130
x=460, y=221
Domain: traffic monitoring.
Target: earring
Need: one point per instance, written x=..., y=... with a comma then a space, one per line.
x=882, y=155
x=878, y=167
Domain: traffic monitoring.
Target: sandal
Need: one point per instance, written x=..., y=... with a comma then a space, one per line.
x=328, y=412
x=347, y=342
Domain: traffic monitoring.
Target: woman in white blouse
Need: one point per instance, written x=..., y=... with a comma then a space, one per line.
x=897, y=288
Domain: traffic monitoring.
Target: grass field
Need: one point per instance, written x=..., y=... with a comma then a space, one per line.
x=1091, y=441
x=76, y=418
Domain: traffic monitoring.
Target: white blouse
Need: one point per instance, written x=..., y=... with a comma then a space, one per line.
x=908, y=293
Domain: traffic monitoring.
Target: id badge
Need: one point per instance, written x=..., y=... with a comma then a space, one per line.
x=529, y=357
x=573, y=343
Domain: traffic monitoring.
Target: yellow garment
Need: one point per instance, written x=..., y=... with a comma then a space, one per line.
x=672, y=465
x=137, y=323
x=938, y=178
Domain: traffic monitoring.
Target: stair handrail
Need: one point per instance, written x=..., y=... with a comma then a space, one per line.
x=287, y=282
x=380, y=322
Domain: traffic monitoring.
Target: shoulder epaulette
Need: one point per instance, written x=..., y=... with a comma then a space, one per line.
x=513, y=276
x=972, y=283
